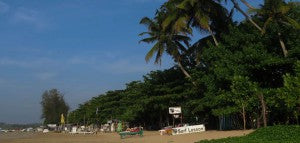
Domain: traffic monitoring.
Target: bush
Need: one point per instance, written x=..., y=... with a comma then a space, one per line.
x=274, y=134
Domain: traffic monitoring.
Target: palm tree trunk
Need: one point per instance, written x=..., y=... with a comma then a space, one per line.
x=263, y=109
x=258, y=121
x=296, y=117
x=160, y=120
x=184, y=71
x=284, y=50
x=236, y=6
x=247, y=4
x=167, y=120
x=213, y=36
x=244, y=117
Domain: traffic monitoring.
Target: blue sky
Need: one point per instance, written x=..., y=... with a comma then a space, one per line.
x=81, y=47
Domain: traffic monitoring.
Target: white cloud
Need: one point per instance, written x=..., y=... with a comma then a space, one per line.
x=30, y=17
x=93, y=57
x=125, y=66
x=77, y=60
x=106, y=63
x=45, y=75
x=111, y=55
x=111, y=62
x=26, y=63
x=4, y=8
x=22, y=15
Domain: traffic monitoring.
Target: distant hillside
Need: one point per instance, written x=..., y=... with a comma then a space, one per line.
x=17, y=126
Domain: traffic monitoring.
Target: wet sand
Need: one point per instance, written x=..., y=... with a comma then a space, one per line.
x=149, y=137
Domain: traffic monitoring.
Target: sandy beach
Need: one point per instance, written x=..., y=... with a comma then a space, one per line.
x=149, y=137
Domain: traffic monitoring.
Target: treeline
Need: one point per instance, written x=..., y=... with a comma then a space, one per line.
x=243, y=74
x=18, y=126
x=141, y=103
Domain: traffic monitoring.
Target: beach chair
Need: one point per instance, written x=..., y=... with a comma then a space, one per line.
x=136, y=131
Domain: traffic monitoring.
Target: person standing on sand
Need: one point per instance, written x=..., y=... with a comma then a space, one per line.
x=119, y=129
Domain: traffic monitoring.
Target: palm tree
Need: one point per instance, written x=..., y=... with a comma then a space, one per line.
x=164, y=41
x=276, y=12
x=236, y=6
x=247, y=4
x=184, y=14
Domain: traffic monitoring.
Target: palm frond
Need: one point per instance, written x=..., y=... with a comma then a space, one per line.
x=150, y=54
x=284, y=9
x=293, y=22
x=181, y=24
x=167, y=22
x=173, y=50
x=268, y=21
x=202, y=19
x=184, y=4
x=146, y=21
x=180, y=47
x=159, y=54
x=149, y=40
x=144, y=33
x=181, y=38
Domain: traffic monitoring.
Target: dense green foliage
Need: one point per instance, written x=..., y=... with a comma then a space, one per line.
x=53, y=105
x=138, y=102
x=240, y=72
x=274, y=134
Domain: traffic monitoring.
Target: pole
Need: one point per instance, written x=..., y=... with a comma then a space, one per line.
x=97, y=117
x=181, y=118
x=173, y=121
x=84, y=120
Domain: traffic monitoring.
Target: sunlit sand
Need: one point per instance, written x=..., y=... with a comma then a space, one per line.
x=149, y=137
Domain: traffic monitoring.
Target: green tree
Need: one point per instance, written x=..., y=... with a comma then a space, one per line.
x=53, y=105
x=200, y=14
x=245, y=77
x=164, y=41
x=239, y=99
x=290, y=93
x=243, y=92
x=277, y=12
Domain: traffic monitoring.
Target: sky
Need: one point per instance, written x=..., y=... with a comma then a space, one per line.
x=81, y=47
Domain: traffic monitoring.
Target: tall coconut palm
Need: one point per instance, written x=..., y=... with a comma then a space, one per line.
x=194, y=13
x=276, y=12
x=164, y=41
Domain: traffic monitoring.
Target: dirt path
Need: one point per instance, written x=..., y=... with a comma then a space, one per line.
x=149, y=137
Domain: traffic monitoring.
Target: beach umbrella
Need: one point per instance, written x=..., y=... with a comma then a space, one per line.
x=62, y=119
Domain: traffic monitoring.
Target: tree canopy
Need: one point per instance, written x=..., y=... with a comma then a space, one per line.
x=237, y=72
x=53, y=105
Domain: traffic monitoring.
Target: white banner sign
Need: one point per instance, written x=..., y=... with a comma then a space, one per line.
x=174, y=110
x=188, y=129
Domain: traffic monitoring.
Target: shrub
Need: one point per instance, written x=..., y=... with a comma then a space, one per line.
x=273, y=134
